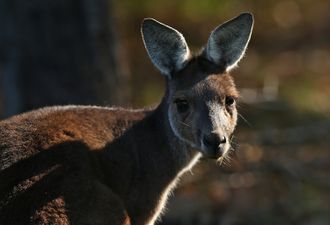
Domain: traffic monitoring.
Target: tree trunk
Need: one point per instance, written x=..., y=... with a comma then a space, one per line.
x=57, y=52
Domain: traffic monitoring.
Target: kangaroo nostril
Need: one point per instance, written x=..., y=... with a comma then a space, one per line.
x=214, y=140
x=223, y=139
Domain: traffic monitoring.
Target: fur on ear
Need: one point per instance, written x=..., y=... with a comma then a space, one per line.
x=166, y=46
x=227, y=43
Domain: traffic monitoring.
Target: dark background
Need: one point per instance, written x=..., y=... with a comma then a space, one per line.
x=91, y=52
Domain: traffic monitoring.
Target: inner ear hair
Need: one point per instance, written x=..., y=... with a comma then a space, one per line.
x=228, y=42
x=166, y=46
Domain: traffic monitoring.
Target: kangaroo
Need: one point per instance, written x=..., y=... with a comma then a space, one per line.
x=112, y=166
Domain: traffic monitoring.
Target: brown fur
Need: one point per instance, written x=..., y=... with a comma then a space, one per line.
x=109, y=166
x=46, y=166
x=92, y=165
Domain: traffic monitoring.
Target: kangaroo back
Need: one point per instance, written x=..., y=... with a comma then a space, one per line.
x=45, y=161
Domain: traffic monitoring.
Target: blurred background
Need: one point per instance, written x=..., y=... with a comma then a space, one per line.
x=91, y=52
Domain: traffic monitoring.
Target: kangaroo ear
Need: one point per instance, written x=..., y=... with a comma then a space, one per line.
x=166, y=47
x=227, y=43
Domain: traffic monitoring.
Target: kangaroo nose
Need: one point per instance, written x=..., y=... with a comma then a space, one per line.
x=214, y=140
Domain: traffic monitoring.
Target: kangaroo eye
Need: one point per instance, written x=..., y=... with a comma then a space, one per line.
x=230, y=101
x=182, y=105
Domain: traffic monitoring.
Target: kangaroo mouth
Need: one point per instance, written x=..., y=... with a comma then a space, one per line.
x=212, y=152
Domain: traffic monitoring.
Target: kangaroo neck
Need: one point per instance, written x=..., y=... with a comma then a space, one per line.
x=161, y=158
x=143, y=164
x=160, y=144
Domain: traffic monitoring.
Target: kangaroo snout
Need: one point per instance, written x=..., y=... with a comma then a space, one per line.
x=214, y=144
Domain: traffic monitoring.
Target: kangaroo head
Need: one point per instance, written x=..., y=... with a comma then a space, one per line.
x=201, y=95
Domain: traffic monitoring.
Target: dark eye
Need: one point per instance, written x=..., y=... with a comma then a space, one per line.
x=230, y=101
x=182, y=105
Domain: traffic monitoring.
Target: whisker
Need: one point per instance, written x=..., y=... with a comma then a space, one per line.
x=235, y=146
x=227, y=161
x=242, y=105
x=232, y=142
x=220, y=160
x=185, y=124
x=245, y=120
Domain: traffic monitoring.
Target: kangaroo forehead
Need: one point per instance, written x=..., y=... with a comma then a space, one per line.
x=196, y=70
x=214, y=89
x=216, y=85
x=194, y=78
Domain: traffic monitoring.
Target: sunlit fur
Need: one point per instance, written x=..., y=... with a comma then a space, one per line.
x=208, y=112
x=114, y=166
